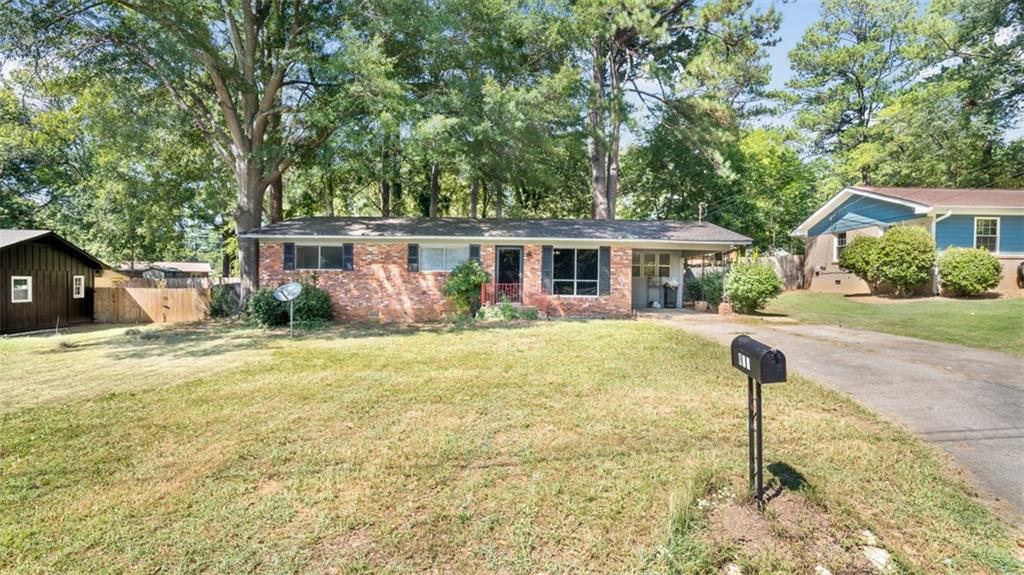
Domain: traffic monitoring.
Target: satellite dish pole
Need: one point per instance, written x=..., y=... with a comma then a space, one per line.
x=288, y=292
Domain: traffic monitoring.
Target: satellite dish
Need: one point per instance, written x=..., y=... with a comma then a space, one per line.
x=288, y=292
x=153, y=275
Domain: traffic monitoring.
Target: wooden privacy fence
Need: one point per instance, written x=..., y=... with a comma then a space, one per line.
x=151, y=305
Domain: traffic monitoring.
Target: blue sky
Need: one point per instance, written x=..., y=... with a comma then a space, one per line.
x=796, y=17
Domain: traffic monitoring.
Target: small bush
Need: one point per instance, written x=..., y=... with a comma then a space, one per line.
x=462, y=287
x=751, y=284
x=860, y=257
x=132, y=331
x=969, y=271
x=906, y=258
x=223, y=301
x=505, y=312
x=265, y=311
x=312, y=308
x=710, y=288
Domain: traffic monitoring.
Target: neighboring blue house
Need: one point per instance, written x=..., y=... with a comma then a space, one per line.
x=984, y=218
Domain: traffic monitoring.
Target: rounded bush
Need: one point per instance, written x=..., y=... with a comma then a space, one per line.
x=312, y=307
x=223, y=301
x=860, y=257
x=462, y=287
x=709, y=288
x=264, y=310
x=906, y=257
x=751, y=284
x=969, y=271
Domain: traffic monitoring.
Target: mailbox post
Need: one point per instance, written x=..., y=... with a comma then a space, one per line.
x=762, y=364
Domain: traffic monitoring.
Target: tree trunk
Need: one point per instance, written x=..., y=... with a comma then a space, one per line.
x=385, y=197
x=595, y=123
x=498, y=199
x=329, y=196
x=277, y=200
x=612, y=185
x=248, y=216
x=474, y=197
x=435, y=188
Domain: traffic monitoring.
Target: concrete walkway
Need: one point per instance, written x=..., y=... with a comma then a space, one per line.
x=967, y=401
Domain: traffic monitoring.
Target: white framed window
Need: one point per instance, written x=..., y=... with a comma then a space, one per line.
x=442, y=258
x=838, y=245
x=78, y=287
x=652, y=265
x=21, y=289
x=986, y=234
x=575, y=271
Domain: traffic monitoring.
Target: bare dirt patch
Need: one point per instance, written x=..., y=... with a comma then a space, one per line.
x=790, y=530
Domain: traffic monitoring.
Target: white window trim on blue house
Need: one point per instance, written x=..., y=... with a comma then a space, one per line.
x=999, y=225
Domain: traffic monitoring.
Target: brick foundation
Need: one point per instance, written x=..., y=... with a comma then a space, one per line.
x=381, y=288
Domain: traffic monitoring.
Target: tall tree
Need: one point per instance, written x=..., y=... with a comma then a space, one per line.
x=684, y=48
x=261, y=80
x=846, y=66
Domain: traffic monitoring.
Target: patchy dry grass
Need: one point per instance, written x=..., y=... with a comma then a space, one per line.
x=552, y=447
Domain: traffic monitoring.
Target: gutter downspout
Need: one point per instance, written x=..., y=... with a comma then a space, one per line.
x=935, y=271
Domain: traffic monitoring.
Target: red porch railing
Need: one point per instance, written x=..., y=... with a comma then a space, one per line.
x=495, y=293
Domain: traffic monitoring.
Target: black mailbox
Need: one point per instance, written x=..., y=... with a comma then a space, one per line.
x=763, y=363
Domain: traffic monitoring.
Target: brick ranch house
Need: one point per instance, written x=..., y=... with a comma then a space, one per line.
x=955, y=217
x=392, y=269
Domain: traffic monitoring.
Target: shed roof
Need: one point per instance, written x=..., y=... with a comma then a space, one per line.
x=13, y=237
x=675, y=231
x=188, y=267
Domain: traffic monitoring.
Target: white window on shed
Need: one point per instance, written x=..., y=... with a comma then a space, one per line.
x=78, y=287
x=21, y=289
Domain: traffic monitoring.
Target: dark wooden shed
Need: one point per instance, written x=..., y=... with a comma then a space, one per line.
x=45, y=281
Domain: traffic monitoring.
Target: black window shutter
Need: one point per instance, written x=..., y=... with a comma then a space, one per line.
x=604, y=271
x=474, y=252
x=289, y=256
x=547, y=265
x=413, y=258
x=347, y=259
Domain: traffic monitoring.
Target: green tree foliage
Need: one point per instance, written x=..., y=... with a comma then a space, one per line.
x=845, y=67
x=860, y=257
x=906, y=258
x=751, y=284
x=462, y=286
x=709, y=288
x=764, y=192
x=969, y=271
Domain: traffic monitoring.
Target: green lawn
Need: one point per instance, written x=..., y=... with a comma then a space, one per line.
x=555, y=447
x=986, y=323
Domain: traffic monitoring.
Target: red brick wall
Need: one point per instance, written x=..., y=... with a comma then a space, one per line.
x=381, y=289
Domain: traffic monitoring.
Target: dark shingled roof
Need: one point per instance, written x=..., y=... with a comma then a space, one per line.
x=500, y=229
x=13, y=237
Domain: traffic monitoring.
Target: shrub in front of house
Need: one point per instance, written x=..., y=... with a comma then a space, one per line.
x=708, y=288
x=264, y=310
x=462, y=286
x=223, y=301
x=505, y=311
x=969, y=271
x=860, y=257
x=751, y=285
x=312, y=308
x=906, y=258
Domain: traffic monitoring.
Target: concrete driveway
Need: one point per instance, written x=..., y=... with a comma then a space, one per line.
x=967, y=401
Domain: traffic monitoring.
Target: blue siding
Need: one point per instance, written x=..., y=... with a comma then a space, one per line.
x=861, y=212
x=958, y=231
